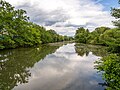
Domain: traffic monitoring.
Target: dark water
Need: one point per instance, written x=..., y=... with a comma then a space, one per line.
x=67, y=67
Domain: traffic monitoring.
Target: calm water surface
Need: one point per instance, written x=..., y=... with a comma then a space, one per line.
x=67, y=67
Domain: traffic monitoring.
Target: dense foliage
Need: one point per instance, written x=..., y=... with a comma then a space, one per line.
x=102, y=36
x=111, y=67
x=16, y=30
x=81, y=35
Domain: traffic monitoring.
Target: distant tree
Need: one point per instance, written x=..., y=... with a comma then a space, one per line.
x=94, y=36
x=81, y=35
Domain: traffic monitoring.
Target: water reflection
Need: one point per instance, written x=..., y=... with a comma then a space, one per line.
x=71, y=67
x=84, y=49
x=15, y=64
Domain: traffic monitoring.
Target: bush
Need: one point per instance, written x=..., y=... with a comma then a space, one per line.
x=110, y=66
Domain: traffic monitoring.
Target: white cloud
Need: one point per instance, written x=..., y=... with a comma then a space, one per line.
x=65, y=16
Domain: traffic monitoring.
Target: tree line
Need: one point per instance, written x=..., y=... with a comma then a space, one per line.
x=17, y=31
x=100, y=36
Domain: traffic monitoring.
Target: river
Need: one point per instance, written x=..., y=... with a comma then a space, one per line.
x=51, y=67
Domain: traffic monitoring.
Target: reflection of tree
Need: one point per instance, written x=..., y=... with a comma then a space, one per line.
x=84, y=49
x=14, y=64
x=81, y=50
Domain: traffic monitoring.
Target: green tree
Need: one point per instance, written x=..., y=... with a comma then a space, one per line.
x=11, y=23
x=94, y=36
x=81, y=35
x=111, y=67
x=111, y=38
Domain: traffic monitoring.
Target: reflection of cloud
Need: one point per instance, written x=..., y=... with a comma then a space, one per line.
x=63, y=70
x=93, y=82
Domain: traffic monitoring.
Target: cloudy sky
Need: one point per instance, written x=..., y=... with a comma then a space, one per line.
x=65, y=16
